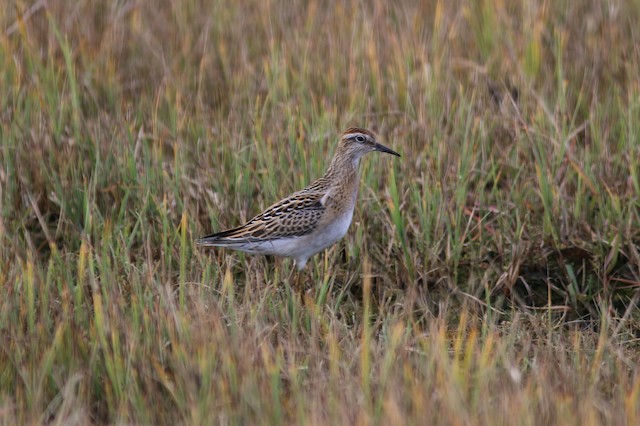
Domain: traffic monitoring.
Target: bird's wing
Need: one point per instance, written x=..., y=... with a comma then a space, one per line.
x=296, y=215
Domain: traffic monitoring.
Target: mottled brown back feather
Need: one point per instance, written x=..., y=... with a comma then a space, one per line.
x=294, y=216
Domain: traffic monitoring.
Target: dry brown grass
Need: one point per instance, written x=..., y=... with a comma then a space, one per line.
x=490, y=277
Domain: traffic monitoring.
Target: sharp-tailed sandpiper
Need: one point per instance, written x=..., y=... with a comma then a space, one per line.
x=312, y=219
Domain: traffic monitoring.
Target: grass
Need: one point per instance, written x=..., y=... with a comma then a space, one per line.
x=491, y=275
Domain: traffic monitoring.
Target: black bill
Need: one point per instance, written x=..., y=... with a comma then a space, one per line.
x=383, y=148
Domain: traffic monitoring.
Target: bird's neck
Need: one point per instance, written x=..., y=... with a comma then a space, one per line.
x=344, y=166
x=342, y=178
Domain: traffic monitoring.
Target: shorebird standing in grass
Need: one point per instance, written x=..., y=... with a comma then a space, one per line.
x=312, y=219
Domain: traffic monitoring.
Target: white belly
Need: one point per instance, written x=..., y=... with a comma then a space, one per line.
x=332, y=233
x=304, y=246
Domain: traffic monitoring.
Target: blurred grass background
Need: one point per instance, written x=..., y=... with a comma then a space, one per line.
x=490, y=275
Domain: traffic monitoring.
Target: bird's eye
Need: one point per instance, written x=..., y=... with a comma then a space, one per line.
x=360, y=138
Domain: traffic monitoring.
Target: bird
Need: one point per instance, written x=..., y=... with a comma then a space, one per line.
x=312, y=219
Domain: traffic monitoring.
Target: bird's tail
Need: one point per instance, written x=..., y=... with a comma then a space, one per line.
x=226, y=238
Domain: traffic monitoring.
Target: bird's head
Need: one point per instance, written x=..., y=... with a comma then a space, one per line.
x=356, y=142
